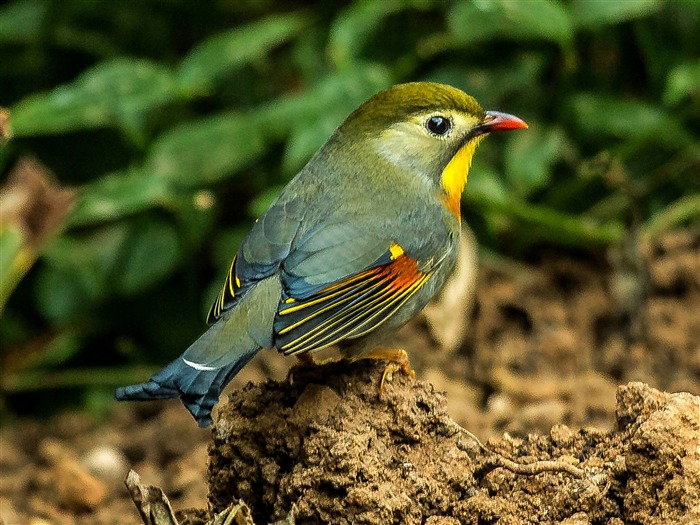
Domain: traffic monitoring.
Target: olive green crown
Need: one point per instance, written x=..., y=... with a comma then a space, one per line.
x=402, y=101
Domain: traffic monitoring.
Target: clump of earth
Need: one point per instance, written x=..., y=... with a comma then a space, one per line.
x=329, y=448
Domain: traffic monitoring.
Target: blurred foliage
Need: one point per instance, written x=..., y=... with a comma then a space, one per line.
x=178, y=122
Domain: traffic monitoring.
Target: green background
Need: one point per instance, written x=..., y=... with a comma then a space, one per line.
x=177, y=122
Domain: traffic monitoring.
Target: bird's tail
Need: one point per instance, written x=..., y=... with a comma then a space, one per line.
x=200, y=374
x=197, y=384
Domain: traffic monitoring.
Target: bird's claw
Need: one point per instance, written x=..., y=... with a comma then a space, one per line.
x=397, y=360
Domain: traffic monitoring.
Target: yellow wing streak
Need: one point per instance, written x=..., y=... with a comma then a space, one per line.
x=221, y=302
x=399, y=300
x=230, y=280
x=396, y=251
x=336, y=318
x=408, y=293
x=377, y=305
x=329, y=307
x=306, y=304
x=227, y=291
x=349, y=281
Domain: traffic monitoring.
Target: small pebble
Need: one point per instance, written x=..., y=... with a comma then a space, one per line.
x=76, y=489
x=500, y=407
x=107, y=463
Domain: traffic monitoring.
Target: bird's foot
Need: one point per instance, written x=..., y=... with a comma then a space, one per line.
x=398, y=360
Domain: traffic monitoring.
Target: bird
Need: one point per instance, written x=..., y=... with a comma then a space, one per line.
x=355, y=245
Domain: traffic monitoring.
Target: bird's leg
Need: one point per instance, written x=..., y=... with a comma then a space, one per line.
x=398, y=360
x=304, y=359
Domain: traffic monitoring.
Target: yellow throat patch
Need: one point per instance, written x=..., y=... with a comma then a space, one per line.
x=454, y=176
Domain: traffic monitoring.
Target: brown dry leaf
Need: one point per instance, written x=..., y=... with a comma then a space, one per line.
x=5, y=127
x=236, y=514
x=33, y=201
x=152, y=503
x=447, y=315
x=77, y=489
x=33, y=208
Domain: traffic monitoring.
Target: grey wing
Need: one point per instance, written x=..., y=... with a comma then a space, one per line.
x=261, y=253
x=341, y=282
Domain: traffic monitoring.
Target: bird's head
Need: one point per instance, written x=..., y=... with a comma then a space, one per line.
x=428, y=128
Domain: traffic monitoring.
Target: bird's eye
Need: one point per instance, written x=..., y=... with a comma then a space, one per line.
x=438, y=125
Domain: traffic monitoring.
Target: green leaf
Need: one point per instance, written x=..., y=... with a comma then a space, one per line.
x=499, y=207
x=62, y=294
x=196, y=216
x=224, y=248
x=80, y=271
x=312, y=116
x=76, y=272
x=601, y=115
x=598, y=13
x=497, y=81
x=148, y=255
x=307, y=137
x=343, y=90
x=541, y=223
x=74, y=377
x=673, y=215
x=206, y=151
x=683, y=81
x=530, y=157
x=354, y=25
x=220, y=54
x=108, y=95
x=118, y=194
x=57, y=350
x=484, y=182
x=21, y=22
x=472, y=23
x=11, y=255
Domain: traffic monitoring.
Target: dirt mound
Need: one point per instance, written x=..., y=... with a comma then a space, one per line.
x=330, y=448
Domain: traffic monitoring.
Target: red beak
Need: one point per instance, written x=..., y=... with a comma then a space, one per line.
x=497, y=121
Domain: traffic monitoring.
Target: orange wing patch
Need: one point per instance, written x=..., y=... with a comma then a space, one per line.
x=348, y=308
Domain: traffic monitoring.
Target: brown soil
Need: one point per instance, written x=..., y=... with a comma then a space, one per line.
x=329, y=448
x=546, y=346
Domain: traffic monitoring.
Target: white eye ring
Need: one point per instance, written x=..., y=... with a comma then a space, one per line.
x=438, y=125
